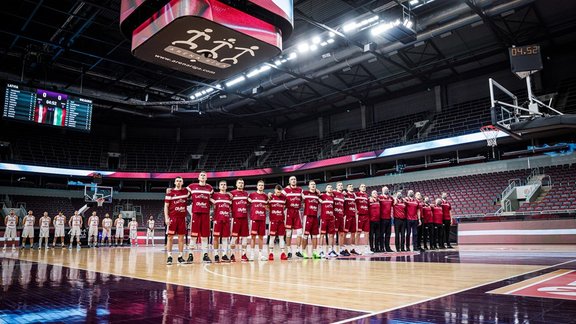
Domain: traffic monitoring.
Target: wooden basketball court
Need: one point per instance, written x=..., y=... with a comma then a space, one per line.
x=370, y=286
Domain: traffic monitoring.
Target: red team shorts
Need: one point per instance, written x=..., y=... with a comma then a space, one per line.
x=293, y=220
x=258, y=227
x=339, y=224
x=277, y=228
x=240, y=227
x=201, y=224
x=222, y=228
x=177, y=226
x=328, y=226
x=363, y=223
x=351, y=224
x=311, y=225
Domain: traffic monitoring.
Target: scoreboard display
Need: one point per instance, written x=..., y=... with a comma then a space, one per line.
x=47, y=107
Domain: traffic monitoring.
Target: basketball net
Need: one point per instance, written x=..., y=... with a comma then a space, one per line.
x=491, y=134
x=100, y=202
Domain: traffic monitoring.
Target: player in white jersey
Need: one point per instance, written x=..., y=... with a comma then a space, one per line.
x=75, y=224
x=119, y=224
x=59, y=222
x=93, y=222
x=44, y=230
x=28, y=230
x=133, y=227
x=106, y=230
x=150, y=230
x=11, y=221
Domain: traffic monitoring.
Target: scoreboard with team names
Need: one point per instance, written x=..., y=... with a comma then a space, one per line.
x=47, y=107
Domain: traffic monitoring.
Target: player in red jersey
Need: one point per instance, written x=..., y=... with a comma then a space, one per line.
x=446, y=219
x=399, y=208
x=375, y=233
x=412, y=220
x=340, y=219
x=427, y=233
x=222, y=202
x=420, y=230
x=328, y=222
x=200, y=196
x=386, y=201
x=311, y=203
x=258, y=205
x=293, y=195
x=175, y=204
x=240, y=229
x=277, y=203
x=362, y=206
x=437, y=214
x=351, y=218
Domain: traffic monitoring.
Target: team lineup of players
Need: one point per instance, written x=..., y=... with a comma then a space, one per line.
x=75, y=223
x=331, y=216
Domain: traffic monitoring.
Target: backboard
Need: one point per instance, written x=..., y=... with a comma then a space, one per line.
x=93, y=191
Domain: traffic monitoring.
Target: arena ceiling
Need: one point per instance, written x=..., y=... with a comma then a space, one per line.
x=76, y=46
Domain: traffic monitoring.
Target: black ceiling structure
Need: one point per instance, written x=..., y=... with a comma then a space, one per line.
x=77, y=47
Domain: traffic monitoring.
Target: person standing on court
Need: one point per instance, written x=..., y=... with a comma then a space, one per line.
x=200, y=194
x=437, y=227
x=175, y=212
x=28, y=229
x=446, y=219
x=11, y=221
x=386, y=201
x=293, y=224
x=375, y=233
x=412, y=220
x=400, y=222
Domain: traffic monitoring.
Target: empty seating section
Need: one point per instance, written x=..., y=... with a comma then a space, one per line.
x=473, y=194
x=58, y=150
x=387, y=133
x=39, y=205
x=561, y=194
x=222, y=154
x=293, y=151
x=163, y=155
x=156, y=155
x=461, y=119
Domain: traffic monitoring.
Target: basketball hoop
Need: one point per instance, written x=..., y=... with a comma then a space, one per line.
x=100, y=202
x=491, y=134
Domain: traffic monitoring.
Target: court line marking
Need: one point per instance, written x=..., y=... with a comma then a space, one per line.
x=308, y=286
x=539, y=282
x=195, y=287
x=448, y=294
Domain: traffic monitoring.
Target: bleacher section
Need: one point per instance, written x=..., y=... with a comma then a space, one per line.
x=293, y=151
x=473, y=194
x=57, y=150
x=80, y=151
x=387, y=133
x=221, y=154
x=161, y=155
x=561, y=195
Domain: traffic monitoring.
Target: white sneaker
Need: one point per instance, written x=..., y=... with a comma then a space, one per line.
x=13, y=248
x=78, y=247
x=4, y=248
x=332, y=254
x=322, y=255
x=263, y=258
x=368, y=252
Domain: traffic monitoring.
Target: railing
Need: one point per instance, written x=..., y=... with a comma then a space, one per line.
x=512, y=183
x=516, y=214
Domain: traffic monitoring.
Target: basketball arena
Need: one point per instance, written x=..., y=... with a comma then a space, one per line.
x=288, y=161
